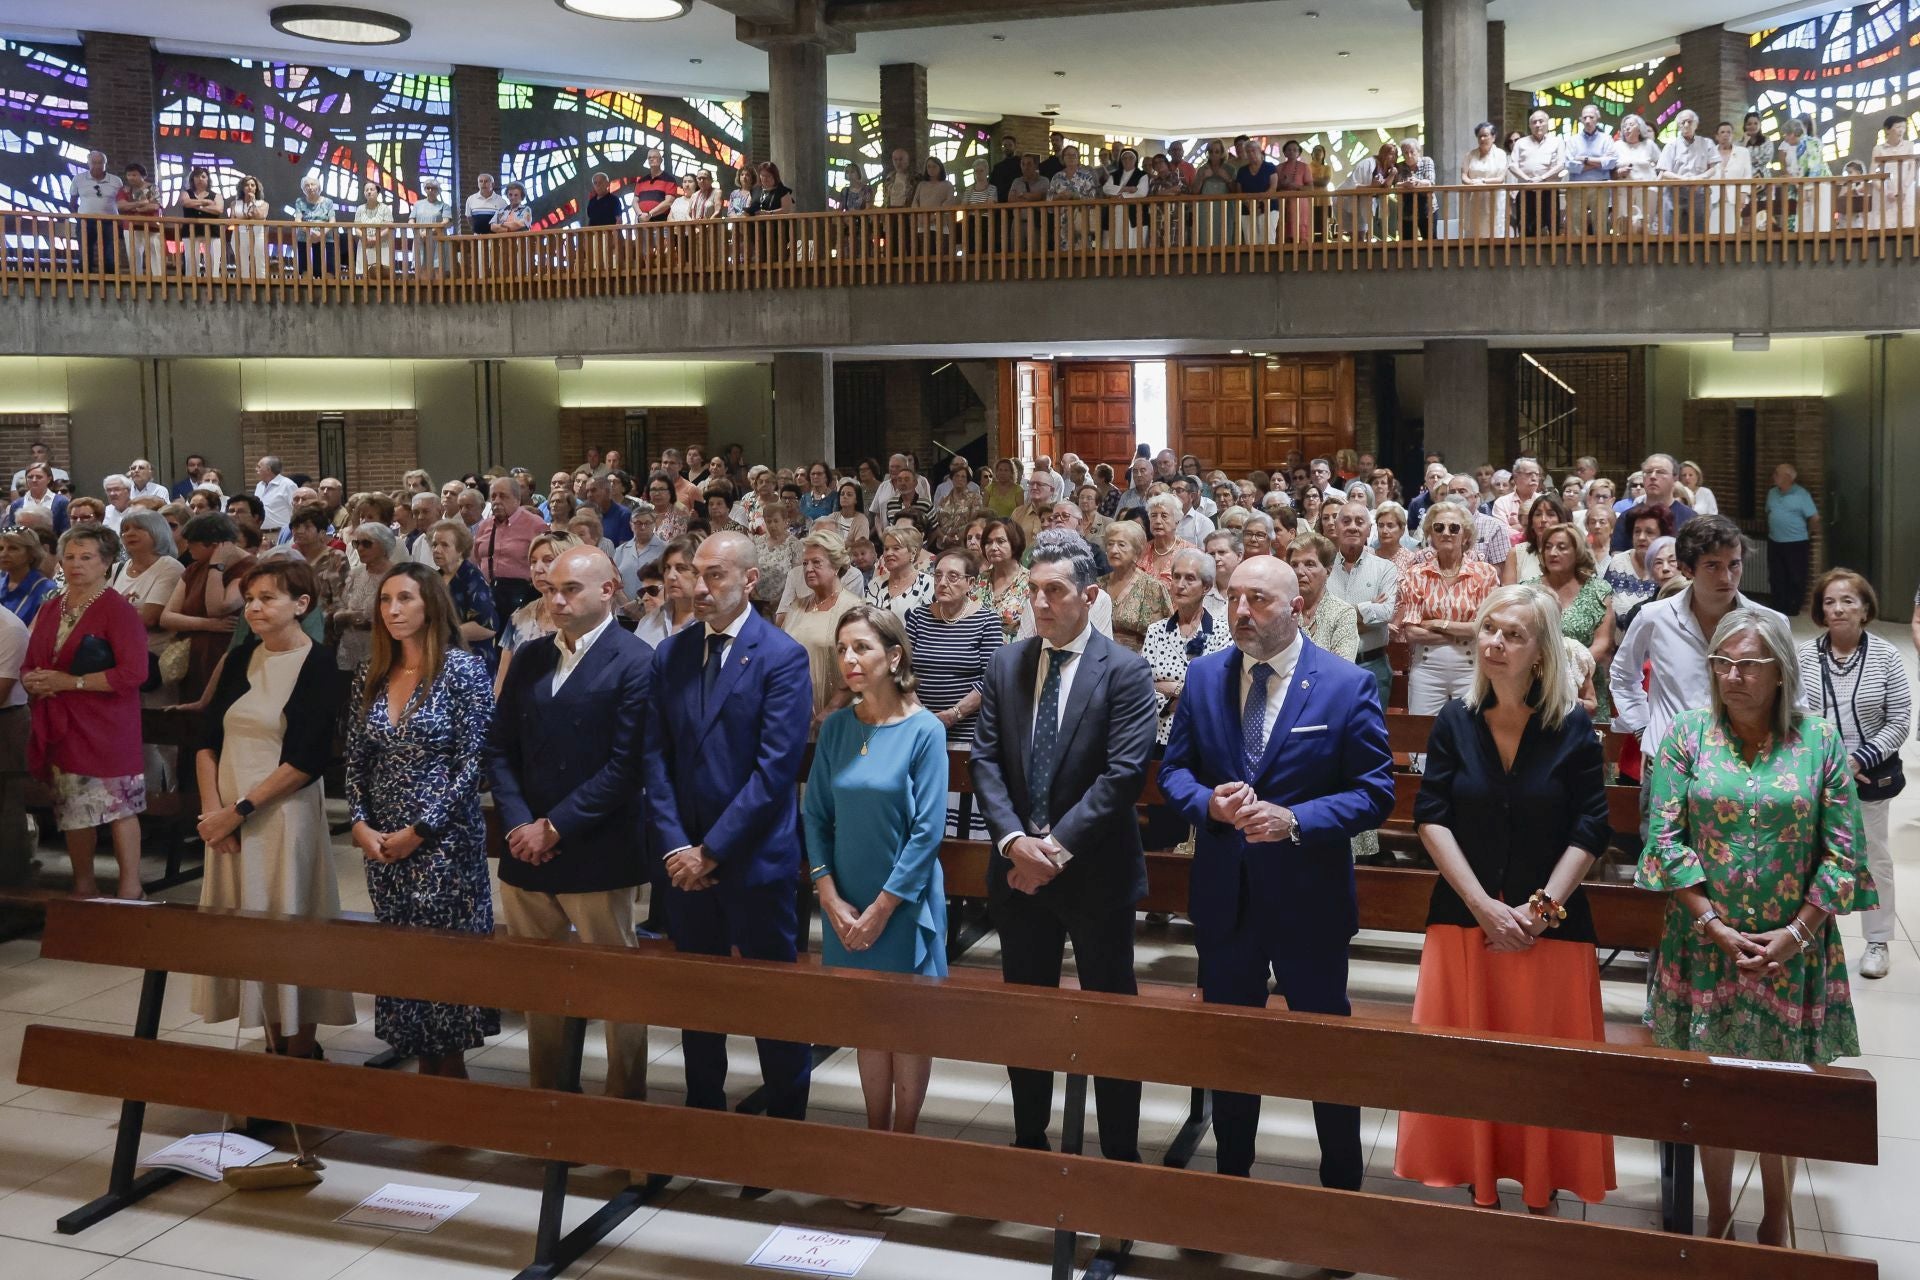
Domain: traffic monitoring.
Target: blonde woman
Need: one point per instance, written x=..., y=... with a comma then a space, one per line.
x=532, y=620
x=901, y=584
x=815, y=621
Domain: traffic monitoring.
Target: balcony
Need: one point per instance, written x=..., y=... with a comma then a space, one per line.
x=1625, y=261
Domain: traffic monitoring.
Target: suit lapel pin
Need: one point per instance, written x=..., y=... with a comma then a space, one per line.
x=745, y=660
x=1304, y=684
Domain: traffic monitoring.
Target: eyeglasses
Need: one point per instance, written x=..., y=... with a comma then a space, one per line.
x=1449, y=528
x=1747, y=668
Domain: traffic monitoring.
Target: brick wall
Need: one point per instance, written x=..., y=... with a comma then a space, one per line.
x=476, y=128
x=1713, y=75
x=1366, y=410
x=1787, y=429
x=903, y=109
x=120, y=97
x=382, y=445
x=606, y=428
x=1030, y=131
x=18, y=431
x=759, y=130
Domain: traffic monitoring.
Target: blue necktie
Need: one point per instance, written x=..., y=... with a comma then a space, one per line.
x=1046, y=734
x=1255, y=719
x=716, y=644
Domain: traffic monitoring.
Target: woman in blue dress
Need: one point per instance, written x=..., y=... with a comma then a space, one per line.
x=413, y=791
x=876, y=809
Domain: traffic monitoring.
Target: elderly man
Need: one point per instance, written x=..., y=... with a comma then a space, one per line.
x=604, y=206
x=896, y=189
x=1792, y=519
x=1133, y=501
x=140, y=474
x=728, y=736
x=1068, y=516
x=275, y=492
x=1368, y=583
x=1590, y=160
x=1036, y=512
x=1658, y=475
x=1511, y=507
x=1435, y=484
x=427, y=511
x=96, y=195
x=333, y=496
x=573, y=804
x=1416, y=207
x=615, y=517
x=1492, y=541
x=1194, y=525
x=901, y=479
x=1538, y=161
x=1688, y=155
x=119, y=491
x=1277, y=757
x=500, y=546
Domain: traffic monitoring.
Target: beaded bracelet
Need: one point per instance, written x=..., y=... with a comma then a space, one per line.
x=1546, y=909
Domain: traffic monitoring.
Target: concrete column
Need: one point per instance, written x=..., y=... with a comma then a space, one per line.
x=1455, y=374
x=797, y=101
x=802, y=407
x=120, y=98
x=1496, y=82
x=1713, y=75
x=758, y=138
x=1453, y=77
x=476, y=129
x=903, y=110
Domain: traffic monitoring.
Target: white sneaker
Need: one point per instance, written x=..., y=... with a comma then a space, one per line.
x=1876, y=962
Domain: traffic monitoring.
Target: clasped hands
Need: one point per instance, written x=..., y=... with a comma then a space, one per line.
x=857, y=930
x=220, y=829
x=1258, y=821
x=1032, y=867
x=1756, y=955
x=386, y=846
x=691, y=870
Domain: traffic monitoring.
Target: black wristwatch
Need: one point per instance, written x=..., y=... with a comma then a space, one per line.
x=243, y=807
x=426, y=831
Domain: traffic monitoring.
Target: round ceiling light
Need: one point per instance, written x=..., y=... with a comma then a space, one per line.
x=336, y=24
x=628, y=10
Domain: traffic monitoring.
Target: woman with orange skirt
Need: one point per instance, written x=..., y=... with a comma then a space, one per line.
x=1513, y=811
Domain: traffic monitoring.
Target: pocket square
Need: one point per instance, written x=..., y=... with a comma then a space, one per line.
x=1309, y=728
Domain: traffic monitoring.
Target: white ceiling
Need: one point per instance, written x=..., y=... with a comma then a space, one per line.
x=1256, y=66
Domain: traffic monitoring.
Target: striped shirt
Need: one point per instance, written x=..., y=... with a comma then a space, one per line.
x=1426, y=595
x=950, y=660
x=1870, y=701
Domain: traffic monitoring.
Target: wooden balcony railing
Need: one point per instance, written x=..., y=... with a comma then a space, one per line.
x=1848, y=219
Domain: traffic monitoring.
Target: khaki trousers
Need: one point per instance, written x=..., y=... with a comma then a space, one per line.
x=604, y=919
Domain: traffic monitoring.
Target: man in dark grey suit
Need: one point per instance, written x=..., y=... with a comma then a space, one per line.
x=1066, y=726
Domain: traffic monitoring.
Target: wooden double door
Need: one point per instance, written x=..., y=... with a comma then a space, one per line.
x=1245, y=414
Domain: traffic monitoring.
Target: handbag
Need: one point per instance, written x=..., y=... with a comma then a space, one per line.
x=1884, y=781
x=93, y=654
x=174, y=659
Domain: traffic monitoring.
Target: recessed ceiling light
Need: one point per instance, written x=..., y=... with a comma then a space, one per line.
x=1001, y=38
x=1061, y=74
x=1373, y=91
x=1114, y=105
x=628, y=10
x=1237, y=351
x=696, y=61
x=336, y=24
x=1344, y=53
x=1311, y=13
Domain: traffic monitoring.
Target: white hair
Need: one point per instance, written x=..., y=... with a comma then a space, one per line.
x=1777, y=639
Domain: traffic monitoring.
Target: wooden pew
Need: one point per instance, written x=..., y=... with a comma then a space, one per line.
x=1824, y=1113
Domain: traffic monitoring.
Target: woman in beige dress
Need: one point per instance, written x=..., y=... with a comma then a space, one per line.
x=1636, y=158
x=269, y=737
x=1485, y=216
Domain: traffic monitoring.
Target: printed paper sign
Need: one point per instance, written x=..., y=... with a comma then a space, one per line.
x=207, y=1155
x=399, y=1207
x=1758, y=1065
x=814, y=1252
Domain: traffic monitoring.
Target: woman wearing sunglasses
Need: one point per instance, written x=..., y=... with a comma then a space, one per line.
x=1439, y=599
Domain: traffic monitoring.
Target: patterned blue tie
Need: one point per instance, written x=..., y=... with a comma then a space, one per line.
x=1255, y=719
x=710, y=672
x=1046, y=733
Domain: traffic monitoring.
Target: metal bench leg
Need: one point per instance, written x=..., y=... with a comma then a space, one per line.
x=1676, y=1188
x=1072, y=1136
x=1199, y=1116
x=123, y=1188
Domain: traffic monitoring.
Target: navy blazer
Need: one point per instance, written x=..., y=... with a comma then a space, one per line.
x=1326, y=760
x=724, y=780
x=1106, y=739
x=574, y=758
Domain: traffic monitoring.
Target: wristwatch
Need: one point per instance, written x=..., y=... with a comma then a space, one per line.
x=1704, y=920
x=425, y=831
x=79, y=684
x=243, y=807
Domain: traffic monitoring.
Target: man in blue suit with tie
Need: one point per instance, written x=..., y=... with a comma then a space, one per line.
x=733, y=702
x=1277, y=756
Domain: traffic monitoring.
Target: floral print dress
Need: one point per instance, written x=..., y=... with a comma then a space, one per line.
x=1008, y=604
x=1580, y=620
x=427, y=769
x=1758, y=841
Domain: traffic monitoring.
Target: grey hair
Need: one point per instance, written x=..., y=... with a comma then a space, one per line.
x=1200, y=560
x=118, y=478
x=154, y=525
x=1257, y=519
x=1695, y=115
x=1064, y=546
x=380, y=533
x=1166, y=502
x=414, y=502
x=1777, y=639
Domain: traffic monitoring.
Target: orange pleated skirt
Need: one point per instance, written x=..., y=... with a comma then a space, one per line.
x=1552, y=989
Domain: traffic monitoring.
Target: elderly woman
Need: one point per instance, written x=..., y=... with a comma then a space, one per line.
x=1329, y=621
x=1139, y=598
x=307, y=531
x=205, y=605
x=1754, y=832
x=960, y=502
x=1485, y=166
x=1439, y=605
x=452, y=543
x=950, y=641
x=675, y=611
x=1598, y=527
x=1163, y=521
x=1510, y=941
x=1627, y=572
x=1636, y=159
x=1858, y=681
x=1190, y=631
x=778, y=551
x=269, y=738
x=1390, y=533
x=1003, y=584
x=146, y=578
x=373, y=233
x=314, y=246
x=532, y=620
x=1257, y=535
x=815, y=619
x=901, y=585
x=86, y=658
x=352, y=618
x=1704, y=503
x=1087, y=498
x=23, y=588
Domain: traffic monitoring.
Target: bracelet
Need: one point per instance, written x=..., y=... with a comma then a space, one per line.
x=1801, y=934
x=1546, y=909
x=1704, y=921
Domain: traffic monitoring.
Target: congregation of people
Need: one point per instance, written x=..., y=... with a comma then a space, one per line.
x=635, y=666
x=1532, y=182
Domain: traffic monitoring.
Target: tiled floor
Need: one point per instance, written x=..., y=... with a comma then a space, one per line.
x=55, y=1148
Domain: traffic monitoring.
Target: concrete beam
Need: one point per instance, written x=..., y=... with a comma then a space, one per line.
x=903, y=15
x=807, y=25
x=1456, y=422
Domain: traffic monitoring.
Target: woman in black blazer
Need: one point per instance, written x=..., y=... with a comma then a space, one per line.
x=1513, y=809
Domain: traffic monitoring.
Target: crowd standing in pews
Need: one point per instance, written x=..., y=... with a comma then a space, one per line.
x=651, y=725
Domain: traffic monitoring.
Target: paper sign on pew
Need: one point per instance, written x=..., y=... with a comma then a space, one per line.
x=812, y=1251
x=1759, y=1065
x=398, y=1207
x=208, y=1155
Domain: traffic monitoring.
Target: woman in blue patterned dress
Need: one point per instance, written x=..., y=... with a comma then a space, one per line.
x=413, y=775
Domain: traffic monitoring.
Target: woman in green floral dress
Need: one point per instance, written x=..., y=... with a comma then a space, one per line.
x=1755, y=835
x=1586, y=602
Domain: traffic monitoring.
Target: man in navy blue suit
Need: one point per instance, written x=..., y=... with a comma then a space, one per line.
x=734, y=699
x=1277, y=756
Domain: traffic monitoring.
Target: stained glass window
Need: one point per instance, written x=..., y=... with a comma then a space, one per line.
x=1650, y=90
x=554, y=139
x=853, y=137
x=1345, y=148
x=285, y=122
x=1846, y=70
x=43, y=125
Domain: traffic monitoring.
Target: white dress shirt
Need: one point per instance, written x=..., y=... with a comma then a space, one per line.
x=1369, y=578
x=1193, y=527
x=276, y=501
x=154, y=491
x=13, y=651
x=732, y=632
x=570, y=658
x=1283, y=664
x=1078, y=648
x=113, y=516
x=1667, y=633
x=1099, y=617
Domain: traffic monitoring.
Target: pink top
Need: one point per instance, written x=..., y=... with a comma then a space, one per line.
x=94, y=735
x=505, y=555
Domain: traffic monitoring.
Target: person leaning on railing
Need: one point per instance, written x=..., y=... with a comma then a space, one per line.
x=249, y=204
x=200, y=204
x=314, y=248
x=432, y=218
x=139, y=204
x=1809, y=207
x=1754, y=833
